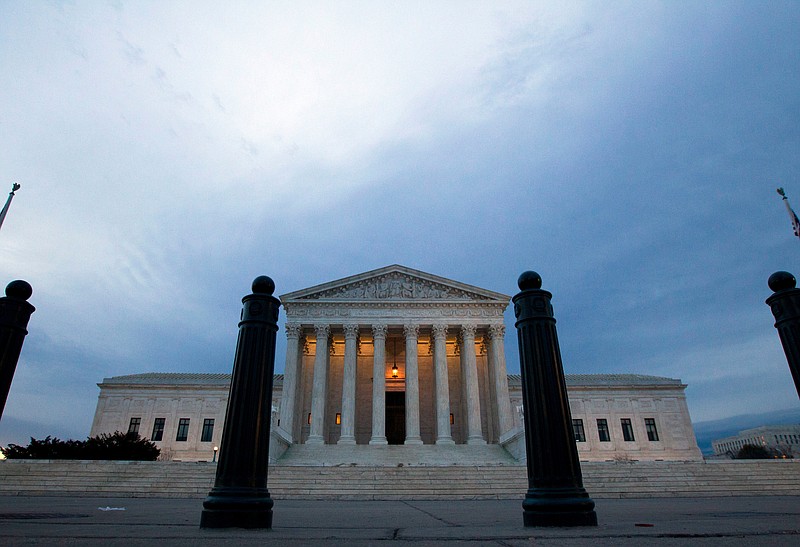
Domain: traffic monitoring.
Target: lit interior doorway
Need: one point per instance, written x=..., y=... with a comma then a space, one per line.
x=395, y=417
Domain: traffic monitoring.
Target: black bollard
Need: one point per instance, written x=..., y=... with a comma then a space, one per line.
x=555, y=495
x=15, y=312
x=240, y=497
x=785, y=306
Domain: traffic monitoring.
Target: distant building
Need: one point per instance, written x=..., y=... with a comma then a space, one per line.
x=782, y=439
x=401, y=357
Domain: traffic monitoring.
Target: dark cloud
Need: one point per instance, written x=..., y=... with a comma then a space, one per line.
x=629, y=154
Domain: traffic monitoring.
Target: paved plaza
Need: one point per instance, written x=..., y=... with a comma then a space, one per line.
x=656, y=521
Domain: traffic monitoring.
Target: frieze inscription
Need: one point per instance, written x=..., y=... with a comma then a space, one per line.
x=322, y=311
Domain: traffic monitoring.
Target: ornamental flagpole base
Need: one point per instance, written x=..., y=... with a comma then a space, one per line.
x=558, y=507
x=239, y=498
x=237, y=509
x=555, y=495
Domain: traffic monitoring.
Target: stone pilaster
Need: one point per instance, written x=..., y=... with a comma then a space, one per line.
x=290, y=380
x=379, y=385
x=349, y=385
x=439, y=336
x=499, y=379
x=320, y=387
x=412, y=385
x=470, y=372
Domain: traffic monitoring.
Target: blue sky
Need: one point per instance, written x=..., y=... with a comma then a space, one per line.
x=168, y=154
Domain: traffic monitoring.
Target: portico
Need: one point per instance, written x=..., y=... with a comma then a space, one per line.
x=396, y=356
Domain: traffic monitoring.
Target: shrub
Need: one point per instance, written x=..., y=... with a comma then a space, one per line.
x=753, y=452
x=120, y=446
x=116, y=446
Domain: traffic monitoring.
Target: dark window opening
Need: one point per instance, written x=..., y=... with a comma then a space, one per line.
x=602, y=430
x=650, y=426
x=577, y=429
x=208, y=430
x=183, y=429
x=627, y=429
x=158, y=430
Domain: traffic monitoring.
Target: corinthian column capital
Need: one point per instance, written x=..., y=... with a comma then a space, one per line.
x=293, y=330
x=468, y=332
x=350, y=331
x=497, y=331
x=379, y=330
x=439, y=330
x=411, y=331
x=322, y=331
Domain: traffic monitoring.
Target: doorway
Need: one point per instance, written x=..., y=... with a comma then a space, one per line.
x=395, y=417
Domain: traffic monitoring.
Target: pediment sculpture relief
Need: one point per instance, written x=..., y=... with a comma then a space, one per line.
x=395, y=287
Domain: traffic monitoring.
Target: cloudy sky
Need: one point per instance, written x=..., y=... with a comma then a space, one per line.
x=170, y=152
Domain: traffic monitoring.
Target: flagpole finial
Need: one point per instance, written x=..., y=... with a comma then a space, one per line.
x=15, y=186
x=781, y=193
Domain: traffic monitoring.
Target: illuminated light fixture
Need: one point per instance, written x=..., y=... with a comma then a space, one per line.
x=394, y=359
x=338, y=418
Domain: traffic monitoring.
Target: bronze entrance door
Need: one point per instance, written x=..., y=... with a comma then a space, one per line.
x=395, y=417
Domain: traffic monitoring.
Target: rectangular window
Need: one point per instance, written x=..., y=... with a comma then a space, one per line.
x=577, y=429
x=183, y=429
x=133, y=427
x=650, y=427
x=208, y=430
x=602, y=430
x=627, y=429
x=158, y=430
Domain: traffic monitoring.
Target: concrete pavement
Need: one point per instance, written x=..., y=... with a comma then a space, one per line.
x=145, y=521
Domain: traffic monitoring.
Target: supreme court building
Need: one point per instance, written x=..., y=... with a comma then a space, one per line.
x=396, y=356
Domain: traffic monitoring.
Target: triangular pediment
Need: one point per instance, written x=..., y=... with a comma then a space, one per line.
x=395, y=283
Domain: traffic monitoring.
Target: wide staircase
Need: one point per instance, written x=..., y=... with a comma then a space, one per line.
x=353, y=480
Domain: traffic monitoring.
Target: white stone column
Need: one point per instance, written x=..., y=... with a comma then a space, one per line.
x=499, y=378
x=439, y=335
x=412, y=385
x=379, y=385
x=320, y=387
x=349, y=385
x=290, y=380
x=470, y=373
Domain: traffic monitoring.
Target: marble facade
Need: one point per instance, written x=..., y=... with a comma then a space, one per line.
x=400, y=356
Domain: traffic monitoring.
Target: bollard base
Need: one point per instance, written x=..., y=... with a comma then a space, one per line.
x=531, y=519
x=558, y=507
x=234, y=510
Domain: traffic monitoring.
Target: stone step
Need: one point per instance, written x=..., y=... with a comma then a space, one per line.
x=396, y=455
x=602, y=480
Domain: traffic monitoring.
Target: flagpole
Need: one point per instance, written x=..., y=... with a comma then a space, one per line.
x=3, y=213
x=792, y=215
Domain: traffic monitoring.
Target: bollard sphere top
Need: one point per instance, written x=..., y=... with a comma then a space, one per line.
x=780, y=281
x=263, y=285
x=529, y=280
x=19, y=289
